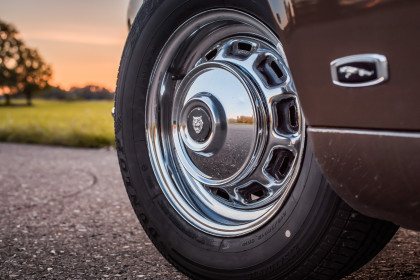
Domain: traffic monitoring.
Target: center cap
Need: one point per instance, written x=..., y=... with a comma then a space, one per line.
x=199, y=124
x=219, y=123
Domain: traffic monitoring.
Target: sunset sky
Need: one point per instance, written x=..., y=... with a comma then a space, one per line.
x=81, y=39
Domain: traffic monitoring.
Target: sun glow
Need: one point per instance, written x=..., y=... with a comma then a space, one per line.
x=81, y=40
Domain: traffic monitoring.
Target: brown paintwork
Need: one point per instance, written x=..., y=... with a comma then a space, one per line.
x=377, y=175
x=315, y=32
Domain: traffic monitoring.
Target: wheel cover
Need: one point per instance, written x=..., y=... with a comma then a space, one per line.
x=225, y=131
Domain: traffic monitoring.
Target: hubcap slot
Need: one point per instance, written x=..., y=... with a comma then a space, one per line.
x=280, y=164
x=271, y=71
x=212, y=54
x=287, y=121
x=242, y=49
x=253, y=193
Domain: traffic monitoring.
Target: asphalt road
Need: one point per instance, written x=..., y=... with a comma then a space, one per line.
x=64, y=214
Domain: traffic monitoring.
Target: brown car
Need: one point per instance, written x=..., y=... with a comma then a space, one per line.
x=271, y=139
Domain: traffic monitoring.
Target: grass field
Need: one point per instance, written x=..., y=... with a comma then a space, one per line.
x=75, y=124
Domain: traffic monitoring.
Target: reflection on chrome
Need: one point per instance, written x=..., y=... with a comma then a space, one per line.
x=242, y=120
x=220, y=89
x=284, y=12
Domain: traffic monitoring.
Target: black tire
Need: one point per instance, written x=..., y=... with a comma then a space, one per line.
x=314, y=235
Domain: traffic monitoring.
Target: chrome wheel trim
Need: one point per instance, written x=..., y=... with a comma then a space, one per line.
x=222, y=205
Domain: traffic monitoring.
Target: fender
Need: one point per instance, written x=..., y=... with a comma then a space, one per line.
x=366, y=140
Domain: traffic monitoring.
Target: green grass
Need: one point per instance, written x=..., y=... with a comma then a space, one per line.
x=74, y=124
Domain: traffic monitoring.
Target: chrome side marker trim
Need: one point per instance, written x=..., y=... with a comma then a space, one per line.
x=364, y=132
x=360, y=70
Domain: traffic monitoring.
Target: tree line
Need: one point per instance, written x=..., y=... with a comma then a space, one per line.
x=89, y=92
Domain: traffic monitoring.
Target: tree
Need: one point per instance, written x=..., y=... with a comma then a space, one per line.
x=33, y=73
x=22, y=69
x=9, y=56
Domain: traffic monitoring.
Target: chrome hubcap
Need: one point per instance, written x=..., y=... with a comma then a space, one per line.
x=224, y=126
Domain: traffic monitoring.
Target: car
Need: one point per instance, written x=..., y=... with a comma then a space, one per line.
x=272, y=139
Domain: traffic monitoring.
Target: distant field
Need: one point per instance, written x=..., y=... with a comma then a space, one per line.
x=75, y=124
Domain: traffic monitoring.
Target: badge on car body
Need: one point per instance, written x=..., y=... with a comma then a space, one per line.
x=359, y=70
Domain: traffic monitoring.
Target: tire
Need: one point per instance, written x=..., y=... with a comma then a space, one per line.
x=305, y=231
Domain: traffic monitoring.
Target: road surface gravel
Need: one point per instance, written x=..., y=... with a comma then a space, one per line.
x=64, y=214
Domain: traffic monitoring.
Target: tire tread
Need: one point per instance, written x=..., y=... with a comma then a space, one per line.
x=351, y=240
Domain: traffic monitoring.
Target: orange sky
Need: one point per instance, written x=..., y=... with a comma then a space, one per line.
x=81, y=39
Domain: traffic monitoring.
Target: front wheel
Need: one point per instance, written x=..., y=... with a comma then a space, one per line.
x=214, y=154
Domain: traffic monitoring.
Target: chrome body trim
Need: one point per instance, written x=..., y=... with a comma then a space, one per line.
x=365, y=132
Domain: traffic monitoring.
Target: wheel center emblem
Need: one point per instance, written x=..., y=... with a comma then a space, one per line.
x=197, y=124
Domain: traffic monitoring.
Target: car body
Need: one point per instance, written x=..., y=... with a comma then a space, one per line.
x=365, y=139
